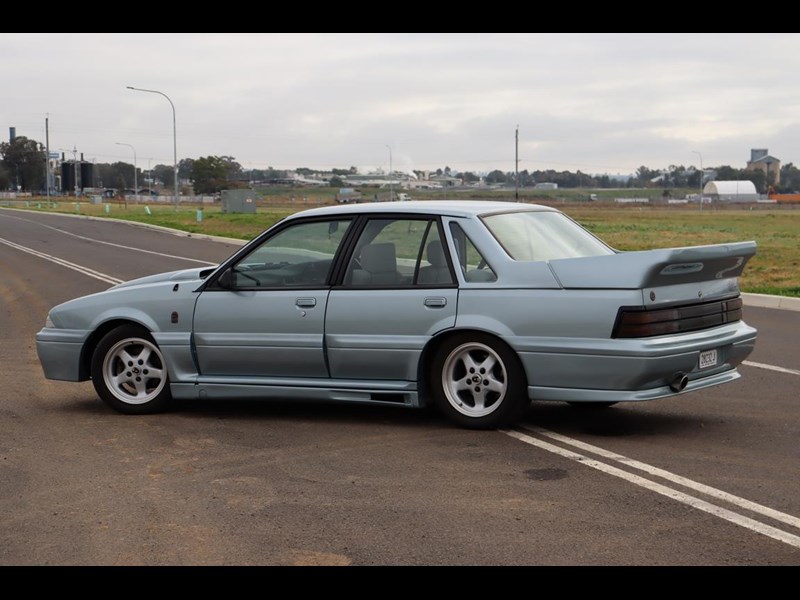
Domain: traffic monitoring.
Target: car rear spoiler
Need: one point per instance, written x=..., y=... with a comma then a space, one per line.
x=654, y=268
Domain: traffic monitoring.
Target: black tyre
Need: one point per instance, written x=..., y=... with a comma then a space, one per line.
x=129, y=372
x=477, y=382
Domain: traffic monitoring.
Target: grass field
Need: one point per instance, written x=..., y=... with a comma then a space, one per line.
x=774, y=270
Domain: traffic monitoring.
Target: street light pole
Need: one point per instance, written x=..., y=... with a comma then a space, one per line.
x=701, y=177
x=391, y=185
x=174, y=136
x=135, y=179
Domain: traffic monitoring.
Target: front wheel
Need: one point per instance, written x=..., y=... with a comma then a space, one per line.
x=477, y=382
x=129, y=372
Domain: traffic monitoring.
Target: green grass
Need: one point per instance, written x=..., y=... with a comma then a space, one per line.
x=774, y=270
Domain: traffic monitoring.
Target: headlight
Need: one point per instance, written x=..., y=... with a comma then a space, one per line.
x=49, y=322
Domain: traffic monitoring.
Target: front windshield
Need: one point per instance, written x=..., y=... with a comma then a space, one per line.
x=543, y=235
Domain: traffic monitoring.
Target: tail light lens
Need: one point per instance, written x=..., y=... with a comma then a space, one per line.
x=639, y=322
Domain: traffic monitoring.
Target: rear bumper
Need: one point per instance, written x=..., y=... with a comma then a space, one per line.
x=584, y=395
x=579, y=370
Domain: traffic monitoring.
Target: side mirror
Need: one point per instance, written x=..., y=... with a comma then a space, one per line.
x=225, y=280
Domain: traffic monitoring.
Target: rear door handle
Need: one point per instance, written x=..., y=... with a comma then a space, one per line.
x=435, y=302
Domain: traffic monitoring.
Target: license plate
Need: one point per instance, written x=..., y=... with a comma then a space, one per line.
x=708, y=359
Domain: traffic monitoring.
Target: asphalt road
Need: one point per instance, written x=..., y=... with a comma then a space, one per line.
x=709, y=478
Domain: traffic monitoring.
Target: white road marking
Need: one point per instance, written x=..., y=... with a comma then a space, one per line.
x=699, y=487
x=723, y=513
x=94, y=241
x=64, y=263
x=771, y=367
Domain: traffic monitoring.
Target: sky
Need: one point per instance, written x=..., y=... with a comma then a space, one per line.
x=594, y=102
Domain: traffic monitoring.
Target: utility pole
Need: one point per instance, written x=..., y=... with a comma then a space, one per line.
x=516, y=165
x=75, y=165
x=47, y=155
x=391, y=185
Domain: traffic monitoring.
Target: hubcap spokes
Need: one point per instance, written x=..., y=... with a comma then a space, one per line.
x=474, y=379
x=134, y=371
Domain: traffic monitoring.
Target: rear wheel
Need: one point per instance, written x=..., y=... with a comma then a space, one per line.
x=129, y=372
x=476, y=381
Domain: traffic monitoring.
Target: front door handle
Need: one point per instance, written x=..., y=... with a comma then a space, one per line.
x=306, y=302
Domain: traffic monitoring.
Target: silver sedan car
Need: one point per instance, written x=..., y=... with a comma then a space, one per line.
x=475, y=308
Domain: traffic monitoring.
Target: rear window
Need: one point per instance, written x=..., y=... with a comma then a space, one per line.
x=540, y=235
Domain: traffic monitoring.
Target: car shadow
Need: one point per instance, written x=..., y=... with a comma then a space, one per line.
x=273, y=409
x=616, y=421
x=623, y=419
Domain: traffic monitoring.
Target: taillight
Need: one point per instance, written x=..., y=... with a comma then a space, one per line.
x=639, y=322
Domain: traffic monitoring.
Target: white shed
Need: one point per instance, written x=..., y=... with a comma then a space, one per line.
x=731, y=191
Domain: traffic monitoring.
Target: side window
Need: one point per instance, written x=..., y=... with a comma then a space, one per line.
x=473, y=266
x=399, y=253
x=434, y=268
x=299, y=256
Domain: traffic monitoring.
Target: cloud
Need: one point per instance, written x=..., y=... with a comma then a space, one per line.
x=594, y=102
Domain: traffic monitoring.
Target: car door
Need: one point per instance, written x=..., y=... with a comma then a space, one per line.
x=396, y=292
x=265, y=316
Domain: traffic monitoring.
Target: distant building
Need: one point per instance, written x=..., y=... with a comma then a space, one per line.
x=731, y=191
x=447, y=180
x=546, y=185
x=760, y=160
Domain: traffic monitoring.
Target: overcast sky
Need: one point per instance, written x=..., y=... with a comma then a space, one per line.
x=595, y=102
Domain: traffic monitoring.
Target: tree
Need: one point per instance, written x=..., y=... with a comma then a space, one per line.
x=121, y=172
x=790, y=179
x=496, y=176
x=336, y=182
x=5, y=177
x=677, y=177
x=210, y=174
x=121, y=189
x=726, y=173
x=470, y=177
x=185, y=166
x=644, y=175
x=233, y=170
x=165, y=174
x=759, y=179
x=604, y=181
x=24, y=159
x=526, y=179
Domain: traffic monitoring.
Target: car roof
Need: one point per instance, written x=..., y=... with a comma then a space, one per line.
x=453, y=208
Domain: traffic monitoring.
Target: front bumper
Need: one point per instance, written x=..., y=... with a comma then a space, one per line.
x=59, y=352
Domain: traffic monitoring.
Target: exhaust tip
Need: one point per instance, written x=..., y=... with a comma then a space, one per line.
x=678, y=382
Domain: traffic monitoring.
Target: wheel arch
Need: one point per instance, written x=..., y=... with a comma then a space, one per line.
x=94, y=338
x=432, y=347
